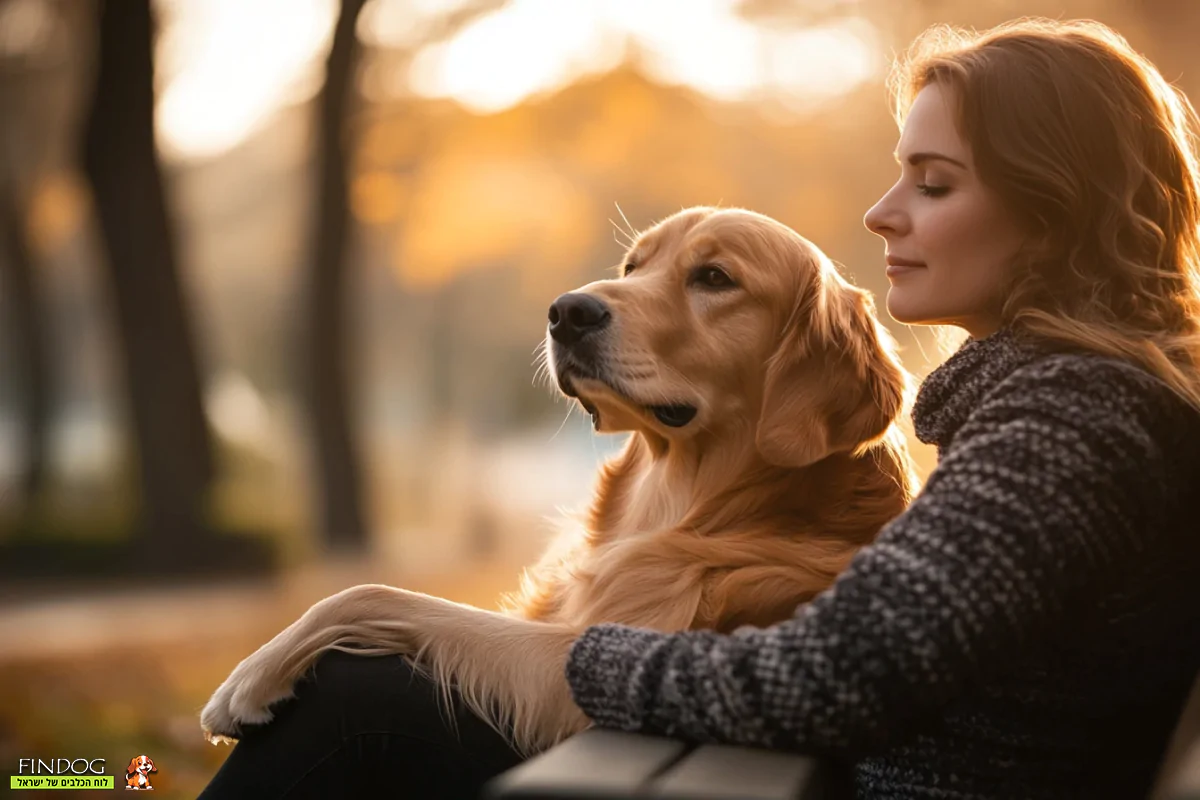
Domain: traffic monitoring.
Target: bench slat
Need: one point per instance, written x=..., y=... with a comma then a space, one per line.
x=606, y=765
x=742, y=773
x=596, y=764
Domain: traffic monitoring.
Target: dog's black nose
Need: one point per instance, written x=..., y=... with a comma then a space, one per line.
x=574, y=315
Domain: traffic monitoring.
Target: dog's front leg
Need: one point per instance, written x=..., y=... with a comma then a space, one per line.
x=371, y=616
x=510, y=671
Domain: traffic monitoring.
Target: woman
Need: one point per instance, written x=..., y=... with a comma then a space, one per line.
x=1029, y=627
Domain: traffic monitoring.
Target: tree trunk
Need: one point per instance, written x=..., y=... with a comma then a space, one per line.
x=327, y=376
x=27, y=319
x=120, y=158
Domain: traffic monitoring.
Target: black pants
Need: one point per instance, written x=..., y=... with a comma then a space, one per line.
x=363, y=726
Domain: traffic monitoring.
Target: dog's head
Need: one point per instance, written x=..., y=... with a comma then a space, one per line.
x=140, y=764
x=727, y=320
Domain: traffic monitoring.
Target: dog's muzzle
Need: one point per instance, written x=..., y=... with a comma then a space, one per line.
x=575, y=316
x=576, y=320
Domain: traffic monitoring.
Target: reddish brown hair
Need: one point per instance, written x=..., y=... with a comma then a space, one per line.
x=1095, y=153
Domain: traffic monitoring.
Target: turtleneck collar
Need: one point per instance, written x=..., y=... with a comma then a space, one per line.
x=952, y=391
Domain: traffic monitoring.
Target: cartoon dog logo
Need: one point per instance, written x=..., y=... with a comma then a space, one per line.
x=137, y=774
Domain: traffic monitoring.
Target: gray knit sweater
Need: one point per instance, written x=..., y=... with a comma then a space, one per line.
x=1028, y=628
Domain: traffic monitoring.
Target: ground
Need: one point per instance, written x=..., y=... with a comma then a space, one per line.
x=124, y=674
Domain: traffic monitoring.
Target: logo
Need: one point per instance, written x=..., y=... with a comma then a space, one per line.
x=137, y=774
x=60, y=773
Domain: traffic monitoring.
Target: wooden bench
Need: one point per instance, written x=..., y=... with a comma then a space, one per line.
x=607, y=765
x=1179, y=778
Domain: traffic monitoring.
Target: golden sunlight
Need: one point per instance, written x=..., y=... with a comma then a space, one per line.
x=532, y=46
x=226, y=65
x=465, y=215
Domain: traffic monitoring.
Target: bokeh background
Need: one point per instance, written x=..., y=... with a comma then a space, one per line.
x=273, y=274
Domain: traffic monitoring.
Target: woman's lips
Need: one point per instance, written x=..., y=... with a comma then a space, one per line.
x=901, y=266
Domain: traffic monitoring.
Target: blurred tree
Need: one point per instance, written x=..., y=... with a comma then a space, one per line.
x=325, y=350
x=28, y=325
x=32, y=36
x=161, y=373
x=327, y=385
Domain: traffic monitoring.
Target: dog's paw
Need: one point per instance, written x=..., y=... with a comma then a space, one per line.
x=245, y=698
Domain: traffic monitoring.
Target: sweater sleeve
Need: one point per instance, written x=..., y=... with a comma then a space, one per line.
x=1049, y=491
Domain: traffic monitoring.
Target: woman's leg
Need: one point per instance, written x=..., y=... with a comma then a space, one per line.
x=363, y=726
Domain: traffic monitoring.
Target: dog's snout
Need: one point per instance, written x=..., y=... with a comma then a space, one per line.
x=574, y=315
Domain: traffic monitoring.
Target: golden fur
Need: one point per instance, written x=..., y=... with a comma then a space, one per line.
x=791, y=464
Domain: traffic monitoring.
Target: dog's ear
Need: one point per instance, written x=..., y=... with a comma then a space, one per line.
x=834, y=383
x=132, y=768
x=150, y=761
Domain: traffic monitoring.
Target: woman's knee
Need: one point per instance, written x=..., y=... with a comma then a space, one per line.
x=367, y=683
x=366, y=694
x=371, y=715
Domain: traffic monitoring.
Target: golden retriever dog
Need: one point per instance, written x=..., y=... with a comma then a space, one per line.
x=761, y=395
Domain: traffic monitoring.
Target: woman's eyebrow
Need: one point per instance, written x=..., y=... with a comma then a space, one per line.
x=916, y=158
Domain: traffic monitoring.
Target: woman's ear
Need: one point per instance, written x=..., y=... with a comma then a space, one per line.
x=834, y=383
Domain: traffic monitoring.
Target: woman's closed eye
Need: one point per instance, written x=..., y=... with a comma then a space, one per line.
x=932, y=190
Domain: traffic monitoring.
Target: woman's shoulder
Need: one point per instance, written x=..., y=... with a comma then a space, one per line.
x=1096, y=393
x=1081, y=375
x=1012, y=386
x=1093, y=426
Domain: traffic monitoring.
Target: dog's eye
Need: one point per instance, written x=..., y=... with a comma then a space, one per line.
x=630, y=267
x=711, y=276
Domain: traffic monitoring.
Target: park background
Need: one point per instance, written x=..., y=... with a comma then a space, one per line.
x=273, y=274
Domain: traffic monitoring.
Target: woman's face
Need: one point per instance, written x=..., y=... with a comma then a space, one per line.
x=950, y=241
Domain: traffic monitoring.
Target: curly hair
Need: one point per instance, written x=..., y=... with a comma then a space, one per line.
x=1095, y=152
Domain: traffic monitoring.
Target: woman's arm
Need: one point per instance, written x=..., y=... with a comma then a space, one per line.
x=1051, y=489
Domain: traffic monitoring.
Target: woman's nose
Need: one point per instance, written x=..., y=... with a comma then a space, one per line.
x=884, y=217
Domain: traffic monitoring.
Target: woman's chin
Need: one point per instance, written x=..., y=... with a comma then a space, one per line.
x=903, y=310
